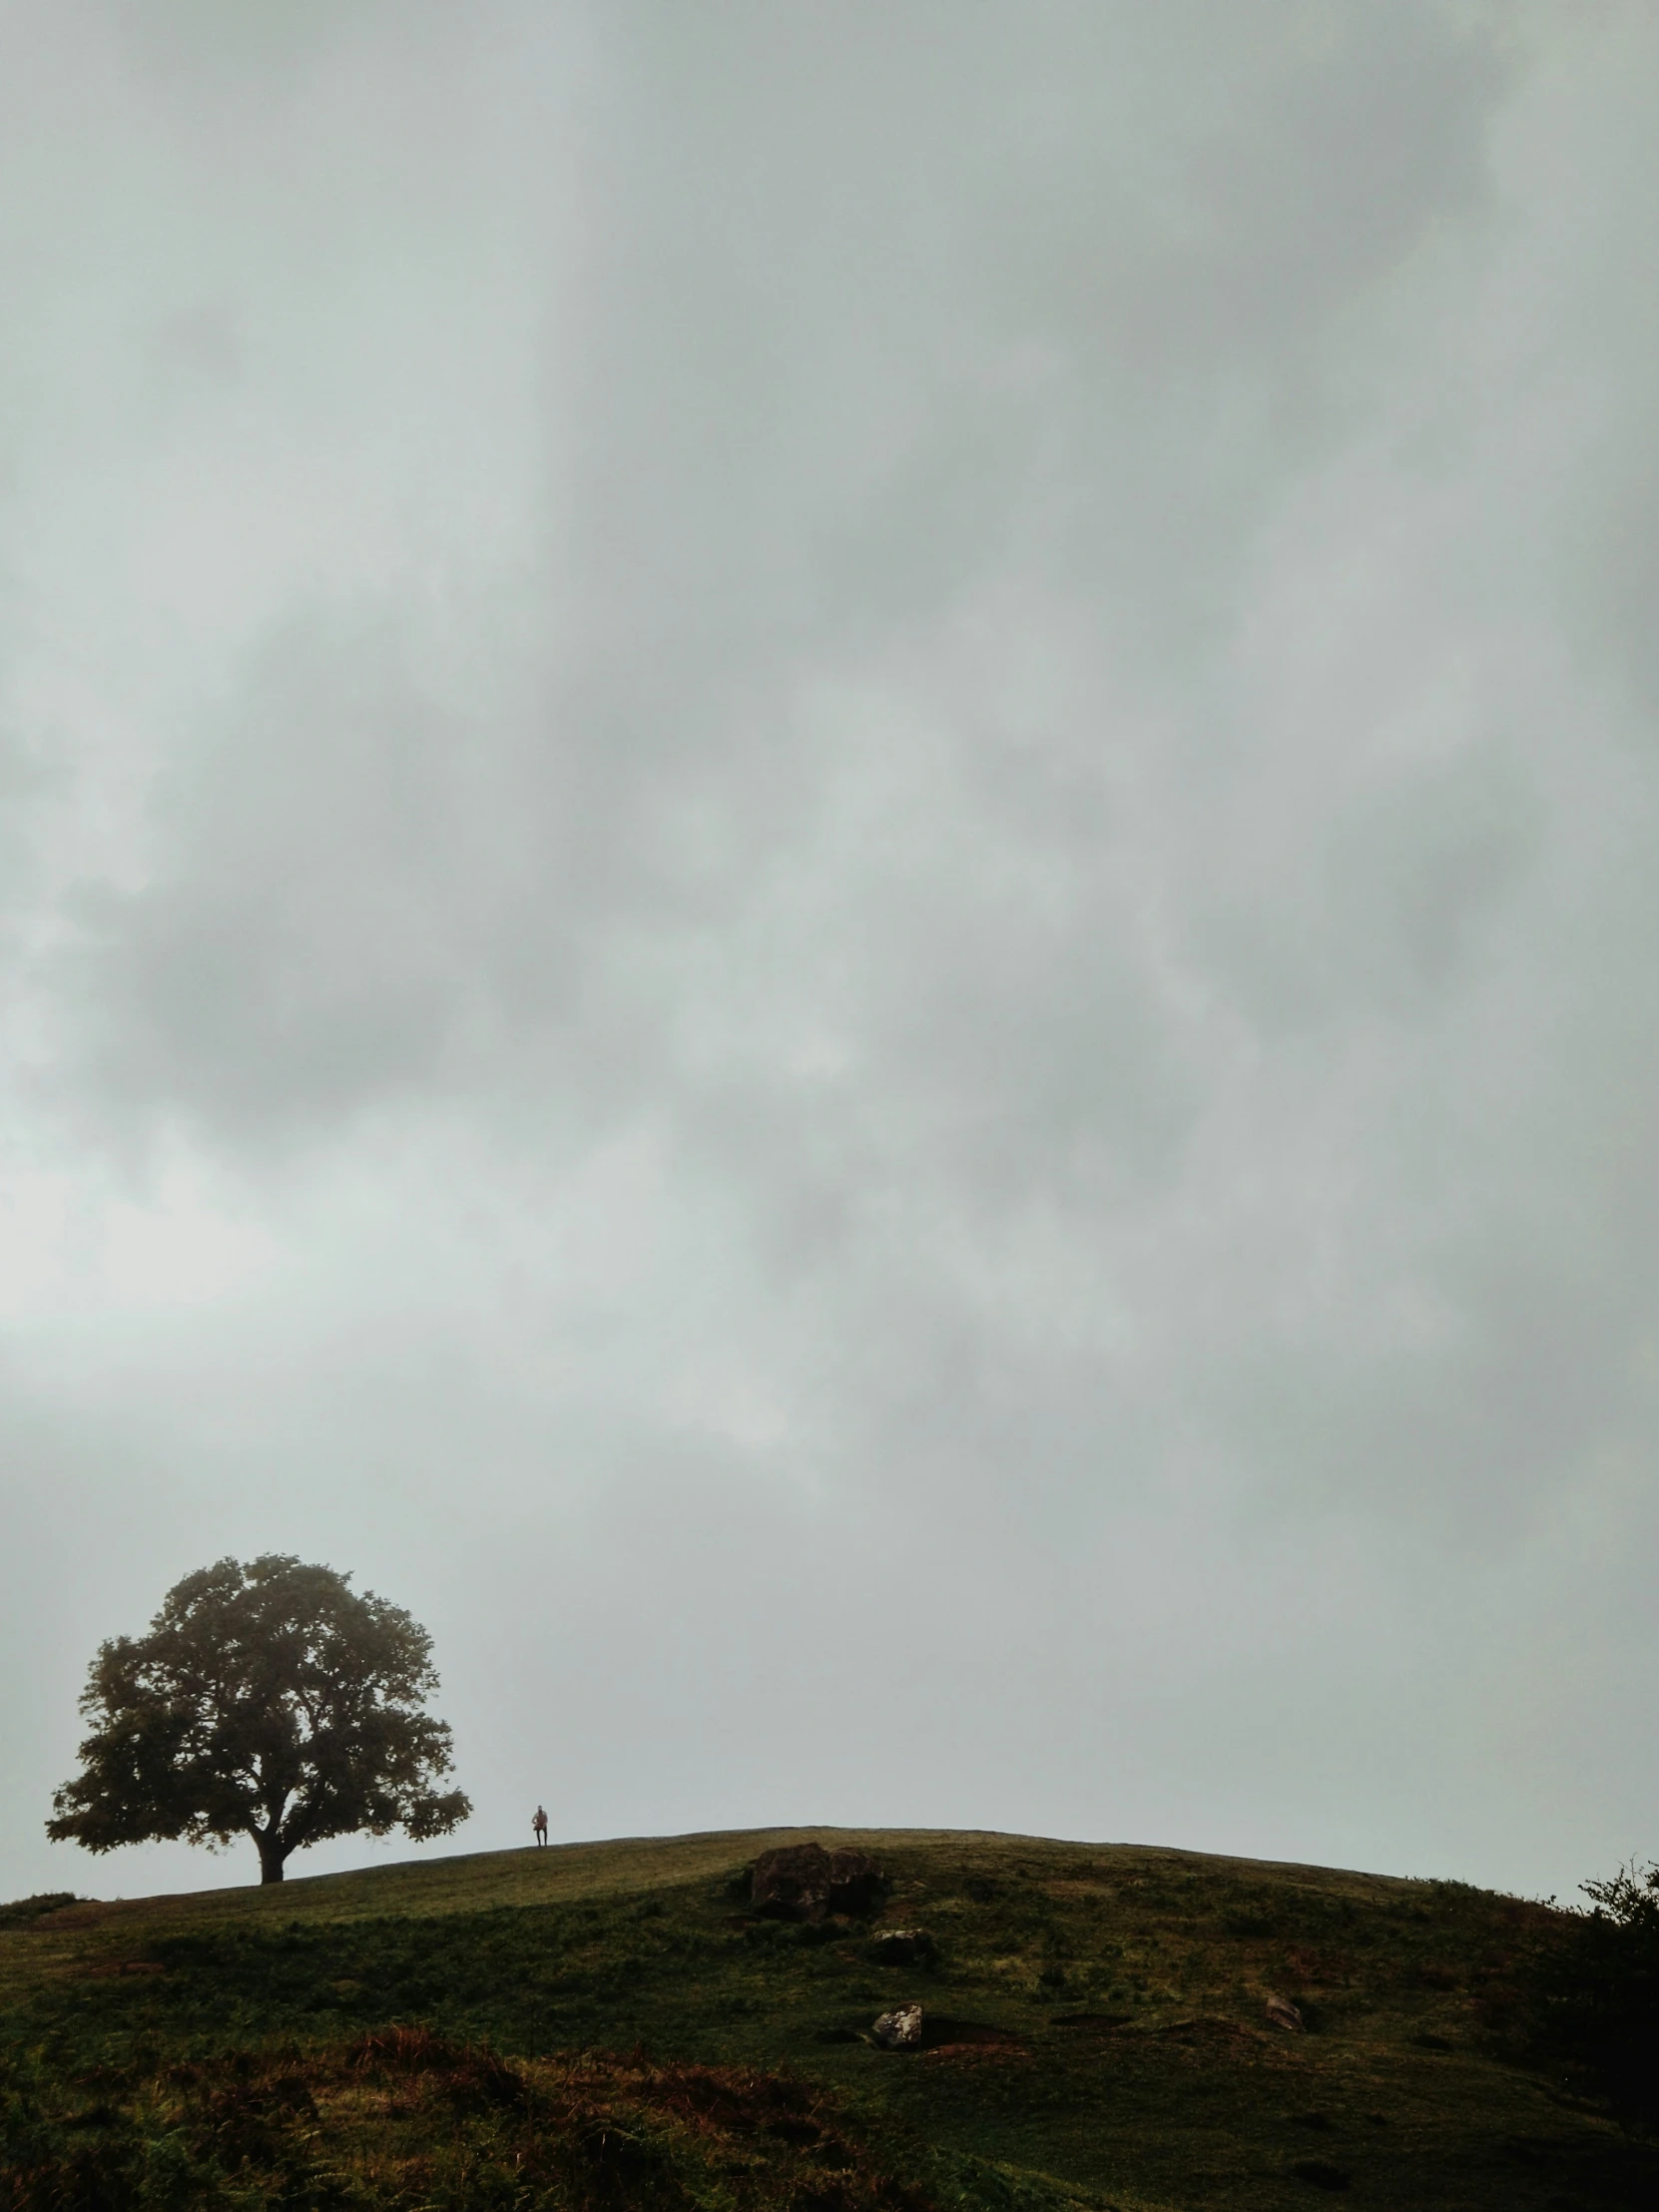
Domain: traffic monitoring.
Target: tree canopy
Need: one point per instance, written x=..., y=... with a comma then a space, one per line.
x=269, y=1700
x=1600, y=1993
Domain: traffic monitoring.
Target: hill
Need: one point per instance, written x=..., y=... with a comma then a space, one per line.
x=608, y=2024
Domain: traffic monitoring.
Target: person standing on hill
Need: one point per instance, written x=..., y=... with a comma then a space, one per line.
x=539, y=1824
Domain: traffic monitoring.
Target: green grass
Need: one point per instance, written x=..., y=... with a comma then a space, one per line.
x=184, y=2040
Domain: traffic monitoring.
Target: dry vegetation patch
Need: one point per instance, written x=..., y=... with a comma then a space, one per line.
x=403, y=2117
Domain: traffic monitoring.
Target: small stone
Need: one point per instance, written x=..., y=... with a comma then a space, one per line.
x=900, y=2030
x=1284, y=2013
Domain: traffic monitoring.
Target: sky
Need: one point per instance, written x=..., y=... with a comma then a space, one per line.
x=827, y=894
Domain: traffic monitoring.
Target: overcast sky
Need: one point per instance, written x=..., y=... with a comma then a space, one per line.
x=828, y=892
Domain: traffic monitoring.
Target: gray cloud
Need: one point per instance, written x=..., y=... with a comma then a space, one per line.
x=826, y=896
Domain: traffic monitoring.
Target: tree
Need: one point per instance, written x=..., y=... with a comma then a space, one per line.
x=268, y=1701
x=1598, y=1991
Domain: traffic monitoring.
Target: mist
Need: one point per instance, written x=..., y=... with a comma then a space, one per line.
x=825, y=895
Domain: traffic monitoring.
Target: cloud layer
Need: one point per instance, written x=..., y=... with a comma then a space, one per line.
x=826, y=894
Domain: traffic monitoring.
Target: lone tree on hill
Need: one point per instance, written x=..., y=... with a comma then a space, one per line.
x=268, y=1700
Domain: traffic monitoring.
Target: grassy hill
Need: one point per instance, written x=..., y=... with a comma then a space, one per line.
x=605, y=2024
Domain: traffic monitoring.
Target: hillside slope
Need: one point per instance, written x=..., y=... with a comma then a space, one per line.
x=1098, y=2037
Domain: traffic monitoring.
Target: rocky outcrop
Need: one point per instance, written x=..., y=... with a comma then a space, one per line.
x=903, y=1946
x=804, y=1881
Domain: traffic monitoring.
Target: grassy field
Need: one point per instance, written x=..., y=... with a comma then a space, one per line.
x=606, y=2024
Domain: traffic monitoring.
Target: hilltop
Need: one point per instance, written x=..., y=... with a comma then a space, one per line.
x=608, y=2024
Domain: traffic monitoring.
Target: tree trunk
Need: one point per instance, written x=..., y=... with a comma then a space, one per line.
x=271, y=1856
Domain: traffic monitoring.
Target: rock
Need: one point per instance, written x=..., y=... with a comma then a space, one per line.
x=1284, y=2013
x=804, y=1881
x=903, y=1946
x=900, y=2030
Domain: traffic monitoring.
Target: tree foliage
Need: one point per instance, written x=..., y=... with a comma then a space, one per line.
x=1600, y=1993
x=269, y=1700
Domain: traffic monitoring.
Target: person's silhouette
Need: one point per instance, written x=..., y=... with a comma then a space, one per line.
x=539, y=1824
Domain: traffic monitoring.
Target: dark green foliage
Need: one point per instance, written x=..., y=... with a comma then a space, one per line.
x=268, y=1701
x=1599, y=1994
x=23, y=1910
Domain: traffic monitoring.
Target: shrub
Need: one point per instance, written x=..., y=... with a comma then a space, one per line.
x=23, y=1912
x=1599, y=1993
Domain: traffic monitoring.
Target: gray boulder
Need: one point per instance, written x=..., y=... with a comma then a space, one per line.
x=900, y=2030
